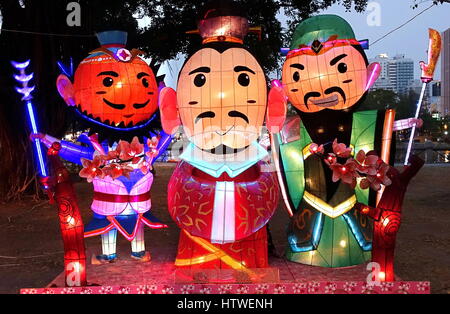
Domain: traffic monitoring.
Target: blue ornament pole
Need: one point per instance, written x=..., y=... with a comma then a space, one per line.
x=26, y=90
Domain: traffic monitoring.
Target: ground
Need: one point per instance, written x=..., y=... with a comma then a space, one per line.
x=31, y=253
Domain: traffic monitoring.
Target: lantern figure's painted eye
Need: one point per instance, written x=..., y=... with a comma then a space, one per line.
x=145, y=83
x=108, y=82
x=244, y=80
x=200, y=80
x=342, y=67
x=296, y=76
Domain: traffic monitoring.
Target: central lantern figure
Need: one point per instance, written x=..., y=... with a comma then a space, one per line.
x=221, y=194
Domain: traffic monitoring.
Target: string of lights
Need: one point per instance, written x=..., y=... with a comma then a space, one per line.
x=402, y=25
x=47, y=34
x=93, y=35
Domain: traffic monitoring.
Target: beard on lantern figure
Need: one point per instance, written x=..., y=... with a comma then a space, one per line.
x=114, y=94
x=220, y=194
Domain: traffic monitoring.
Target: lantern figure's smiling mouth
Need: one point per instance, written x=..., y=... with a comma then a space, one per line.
x=121, y=106
x=225, y=133
x=112, y=105
x=140, y=106
x=128, y=116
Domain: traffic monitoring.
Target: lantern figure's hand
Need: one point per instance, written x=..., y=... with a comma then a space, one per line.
x=276, y=108
x=45, y=139
x=36, y=136
x=407, y=124
x=418, y=123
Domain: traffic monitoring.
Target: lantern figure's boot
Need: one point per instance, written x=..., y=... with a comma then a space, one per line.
x=271, y=247
x=108, y=249
x=138, y=247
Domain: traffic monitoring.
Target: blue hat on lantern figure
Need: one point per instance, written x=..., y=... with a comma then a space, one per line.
x=115, y=41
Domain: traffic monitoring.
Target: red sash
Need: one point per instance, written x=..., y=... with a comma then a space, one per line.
x=113, y=198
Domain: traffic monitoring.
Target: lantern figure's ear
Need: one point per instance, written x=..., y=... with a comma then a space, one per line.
x=170, y=117
x=66, y=90
x=373, y=73
x=276, y=108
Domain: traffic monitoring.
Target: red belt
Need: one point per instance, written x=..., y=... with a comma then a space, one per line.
x=113, y=198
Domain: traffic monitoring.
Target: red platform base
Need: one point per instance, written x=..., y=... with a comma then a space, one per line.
x=160, y=277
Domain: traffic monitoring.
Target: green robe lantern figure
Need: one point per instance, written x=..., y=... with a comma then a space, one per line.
x=326, y=76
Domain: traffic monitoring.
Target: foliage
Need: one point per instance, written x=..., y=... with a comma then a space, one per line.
x=380, y=99
x=417, y=2
x=44, y=50
x=405, y=106
x=165, y=37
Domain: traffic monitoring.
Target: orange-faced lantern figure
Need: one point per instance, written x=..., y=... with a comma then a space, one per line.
x=327, y=73
x=326, y=76
x=115, y=95
x=220, y=194
x=113, y=85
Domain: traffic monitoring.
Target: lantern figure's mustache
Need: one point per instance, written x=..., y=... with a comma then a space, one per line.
x=231, y=114
x=309, y=95
x=238, y=114
x=335, y=89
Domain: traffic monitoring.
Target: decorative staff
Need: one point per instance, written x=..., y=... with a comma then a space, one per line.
x=70, y=221
x=59, y=189
x=434, y=52
x=25, y=90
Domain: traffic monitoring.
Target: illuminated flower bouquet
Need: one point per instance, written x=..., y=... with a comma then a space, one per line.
x=126, y=158
x=368, y=166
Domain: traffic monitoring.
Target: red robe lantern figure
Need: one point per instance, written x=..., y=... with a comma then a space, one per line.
x=221, y=195
x=115, y=95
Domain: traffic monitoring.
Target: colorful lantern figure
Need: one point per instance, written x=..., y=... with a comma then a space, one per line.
x=326, y=76
x=115, y=94
x=221, y=195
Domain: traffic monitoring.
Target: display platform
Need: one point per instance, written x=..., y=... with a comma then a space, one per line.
x=160, y=276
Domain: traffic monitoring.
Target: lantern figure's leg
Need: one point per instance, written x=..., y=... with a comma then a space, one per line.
x=138, y=244
x=389, y=264
x=109, y=241
x=379, y=254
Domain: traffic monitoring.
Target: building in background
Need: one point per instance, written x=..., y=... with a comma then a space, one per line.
x=387, y=77
x=397, y=74
x=445, y=72
x=436, y=107
x=404, y=68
